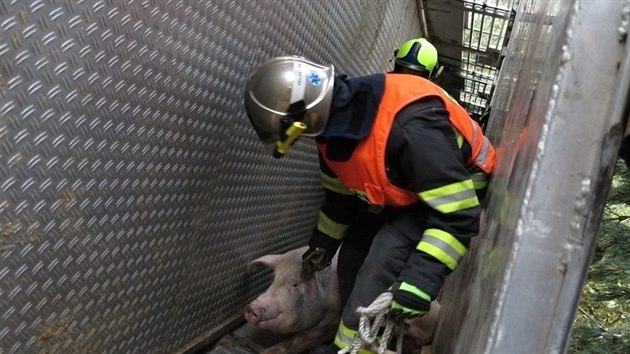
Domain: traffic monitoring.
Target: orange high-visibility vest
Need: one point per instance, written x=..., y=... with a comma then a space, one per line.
x=365, y=173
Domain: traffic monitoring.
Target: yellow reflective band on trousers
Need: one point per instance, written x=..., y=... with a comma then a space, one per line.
x=453, y=197
x=345, y=337
x=334, y=184
x=480, y=180
x=443, y=246
x=331, y=228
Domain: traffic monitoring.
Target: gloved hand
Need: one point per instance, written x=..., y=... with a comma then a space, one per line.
x=321, y=250
x=409, y=301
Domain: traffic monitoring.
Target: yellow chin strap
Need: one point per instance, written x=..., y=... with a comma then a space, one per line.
x=291, y=134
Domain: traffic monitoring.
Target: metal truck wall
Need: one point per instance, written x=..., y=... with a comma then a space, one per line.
x=133, y=191
x=559, y=111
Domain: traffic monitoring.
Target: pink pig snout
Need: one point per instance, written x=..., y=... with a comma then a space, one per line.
x=254, y=314
x=261, y=310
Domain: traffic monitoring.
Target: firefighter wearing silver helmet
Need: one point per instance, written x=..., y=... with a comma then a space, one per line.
x=398, y=159
x=287, y=97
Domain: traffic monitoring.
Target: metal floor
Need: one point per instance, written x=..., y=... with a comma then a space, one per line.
x=247, y=339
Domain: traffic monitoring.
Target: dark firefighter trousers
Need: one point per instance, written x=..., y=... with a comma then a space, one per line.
x=374, y=253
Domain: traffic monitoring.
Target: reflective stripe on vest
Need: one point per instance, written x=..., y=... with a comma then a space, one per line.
x=365, y=172
x=334, y=184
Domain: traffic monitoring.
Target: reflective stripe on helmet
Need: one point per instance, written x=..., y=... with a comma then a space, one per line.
x=299, y=82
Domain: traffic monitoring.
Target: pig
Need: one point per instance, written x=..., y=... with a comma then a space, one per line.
x=308, y=307
x=419, y=334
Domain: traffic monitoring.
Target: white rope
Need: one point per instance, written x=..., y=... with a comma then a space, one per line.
x=368, y=332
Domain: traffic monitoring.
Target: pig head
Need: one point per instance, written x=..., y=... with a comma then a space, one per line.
x=306, y=305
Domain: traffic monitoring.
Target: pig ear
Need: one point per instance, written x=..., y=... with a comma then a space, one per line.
x=269, y=261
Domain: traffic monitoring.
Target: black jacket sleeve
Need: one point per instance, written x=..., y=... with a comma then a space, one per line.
x=336, y=213
x=429, y=159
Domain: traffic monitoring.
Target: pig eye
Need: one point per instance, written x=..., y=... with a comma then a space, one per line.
x=295, y=285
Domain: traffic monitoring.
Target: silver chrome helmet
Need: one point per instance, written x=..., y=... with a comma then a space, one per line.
x=288, y=90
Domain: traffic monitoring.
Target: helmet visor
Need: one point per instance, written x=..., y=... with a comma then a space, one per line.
x=295, y=113
x=264, y=136
x=406, y=68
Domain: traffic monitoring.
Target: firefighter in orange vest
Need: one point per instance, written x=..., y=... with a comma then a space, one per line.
x=403, y=168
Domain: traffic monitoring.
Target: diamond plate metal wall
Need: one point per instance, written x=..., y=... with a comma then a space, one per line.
x=132, y=189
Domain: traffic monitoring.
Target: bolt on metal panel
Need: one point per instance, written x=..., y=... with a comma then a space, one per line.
x=558, y=117
x=133, y=191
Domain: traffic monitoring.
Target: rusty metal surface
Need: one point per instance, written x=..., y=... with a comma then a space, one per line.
x=558, y=125
x=132, y=189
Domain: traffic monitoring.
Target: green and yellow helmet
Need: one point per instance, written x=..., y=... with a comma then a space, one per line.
x=417, y=54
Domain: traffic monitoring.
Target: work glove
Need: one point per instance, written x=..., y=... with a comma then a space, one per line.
x=408, y=300
x=321, y=250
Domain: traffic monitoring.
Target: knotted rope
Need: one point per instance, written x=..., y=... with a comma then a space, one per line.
x=368, y=332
